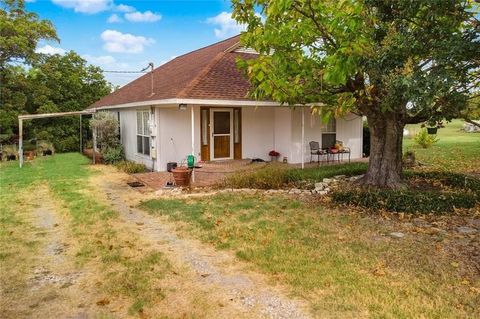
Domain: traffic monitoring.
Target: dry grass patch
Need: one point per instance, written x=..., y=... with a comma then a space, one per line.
x=344, y=264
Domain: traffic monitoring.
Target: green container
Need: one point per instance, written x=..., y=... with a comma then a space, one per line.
x=191, y=161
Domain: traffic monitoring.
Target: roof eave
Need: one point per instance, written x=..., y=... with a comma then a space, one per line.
x=176, y=101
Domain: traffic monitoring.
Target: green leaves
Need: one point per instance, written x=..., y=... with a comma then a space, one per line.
x=20, y=32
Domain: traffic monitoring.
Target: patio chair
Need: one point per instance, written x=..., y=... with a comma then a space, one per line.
x=316, y=151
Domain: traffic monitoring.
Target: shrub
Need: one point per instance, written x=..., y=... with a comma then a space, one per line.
x=9, y=152
x=45, y=148
x=112, y=155
x=454, y=180
x=130, y=167
x=275, y=176
x=424, y=139
x=406, y=201
x=465, y=195
x=106, y=124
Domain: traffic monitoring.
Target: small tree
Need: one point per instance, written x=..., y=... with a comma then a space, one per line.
x=394, y=61
x=106, y=126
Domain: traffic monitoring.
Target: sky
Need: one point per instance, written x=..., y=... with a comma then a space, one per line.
x=127, y=35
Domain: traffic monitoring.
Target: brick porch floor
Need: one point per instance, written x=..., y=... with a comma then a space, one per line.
x=209, y=174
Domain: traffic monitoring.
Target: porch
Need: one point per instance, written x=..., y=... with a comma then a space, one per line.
x=214, y=172
x=222, y=133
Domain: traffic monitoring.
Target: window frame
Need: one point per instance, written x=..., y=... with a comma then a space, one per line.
x=143, y=133
x=326, y=129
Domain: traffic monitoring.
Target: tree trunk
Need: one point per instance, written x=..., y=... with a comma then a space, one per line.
x=385, y=162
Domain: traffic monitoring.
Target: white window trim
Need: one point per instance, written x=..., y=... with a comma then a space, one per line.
x=142, y=135
x=329, y=132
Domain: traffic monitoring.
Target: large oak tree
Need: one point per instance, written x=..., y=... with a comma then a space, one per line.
x=394, y=61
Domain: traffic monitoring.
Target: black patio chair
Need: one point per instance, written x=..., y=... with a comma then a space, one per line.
x=316, y=151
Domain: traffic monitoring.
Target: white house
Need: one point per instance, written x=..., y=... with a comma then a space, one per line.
x=196, y=104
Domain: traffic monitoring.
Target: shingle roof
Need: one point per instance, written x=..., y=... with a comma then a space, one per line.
x=206, y=73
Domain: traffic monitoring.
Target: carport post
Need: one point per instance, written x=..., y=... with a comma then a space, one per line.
x=94, y=141
x=20, y=142
x=303, y=137
x=81, y=135
x=192, y=114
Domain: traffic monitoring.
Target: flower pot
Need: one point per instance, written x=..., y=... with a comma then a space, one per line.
x=182, y=175
x=274, y=158
x=29, y=155
x=432, y=130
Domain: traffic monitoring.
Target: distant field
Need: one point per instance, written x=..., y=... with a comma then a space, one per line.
x=455, y=150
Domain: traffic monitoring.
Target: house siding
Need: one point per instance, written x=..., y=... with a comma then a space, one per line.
x=128, y=137
x=263, y=129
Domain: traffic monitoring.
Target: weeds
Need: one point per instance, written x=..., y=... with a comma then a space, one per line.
x=276, y=176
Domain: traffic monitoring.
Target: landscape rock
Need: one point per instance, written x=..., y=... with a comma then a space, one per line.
x=320, y=186
x=327, y=180
x=322, y=193
x=466, y=230
x=397, y=235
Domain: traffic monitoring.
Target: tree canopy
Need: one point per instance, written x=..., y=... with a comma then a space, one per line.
x=39, y=83
x=394, y=61
x=20, y=32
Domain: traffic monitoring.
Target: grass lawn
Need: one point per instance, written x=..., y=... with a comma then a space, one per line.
x=455, y=151
x=344, y=264
x=123, y=273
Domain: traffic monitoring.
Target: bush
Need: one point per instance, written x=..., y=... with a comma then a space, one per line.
x=9, y=152
x=275, y=176
x=106, y=124
x=130, y=167
x=45, y=148
x=455, y=180
x=406, y=201
x=424, y=139
x=112, y=155
x=466, y=195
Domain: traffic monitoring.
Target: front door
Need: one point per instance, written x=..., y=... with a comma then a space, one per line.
x=221, y=124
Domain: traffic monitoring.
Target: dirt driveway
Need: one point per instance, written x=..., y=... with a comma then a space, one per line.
x=196, y=280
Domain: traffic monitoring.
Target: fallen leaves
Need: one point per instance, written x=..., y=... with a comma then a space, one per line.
x=103, y=302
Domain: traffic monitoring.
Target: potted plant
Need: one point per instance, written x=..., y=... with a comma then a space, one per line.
x=181, y=175
x=432, y=127
x=274, y=155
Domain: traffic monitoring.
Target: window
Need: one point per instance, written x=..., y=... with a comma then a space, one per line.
x=329, y=133
x=143, y=132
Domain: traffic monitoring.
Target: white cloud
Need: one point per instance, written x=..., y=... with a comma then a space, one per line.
x=227, y=26
x=99, y=60
x=124, y=8
x=85, y=6
x=118, y=42
x=48, y=49
x=114, y=18
x=147, y=16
